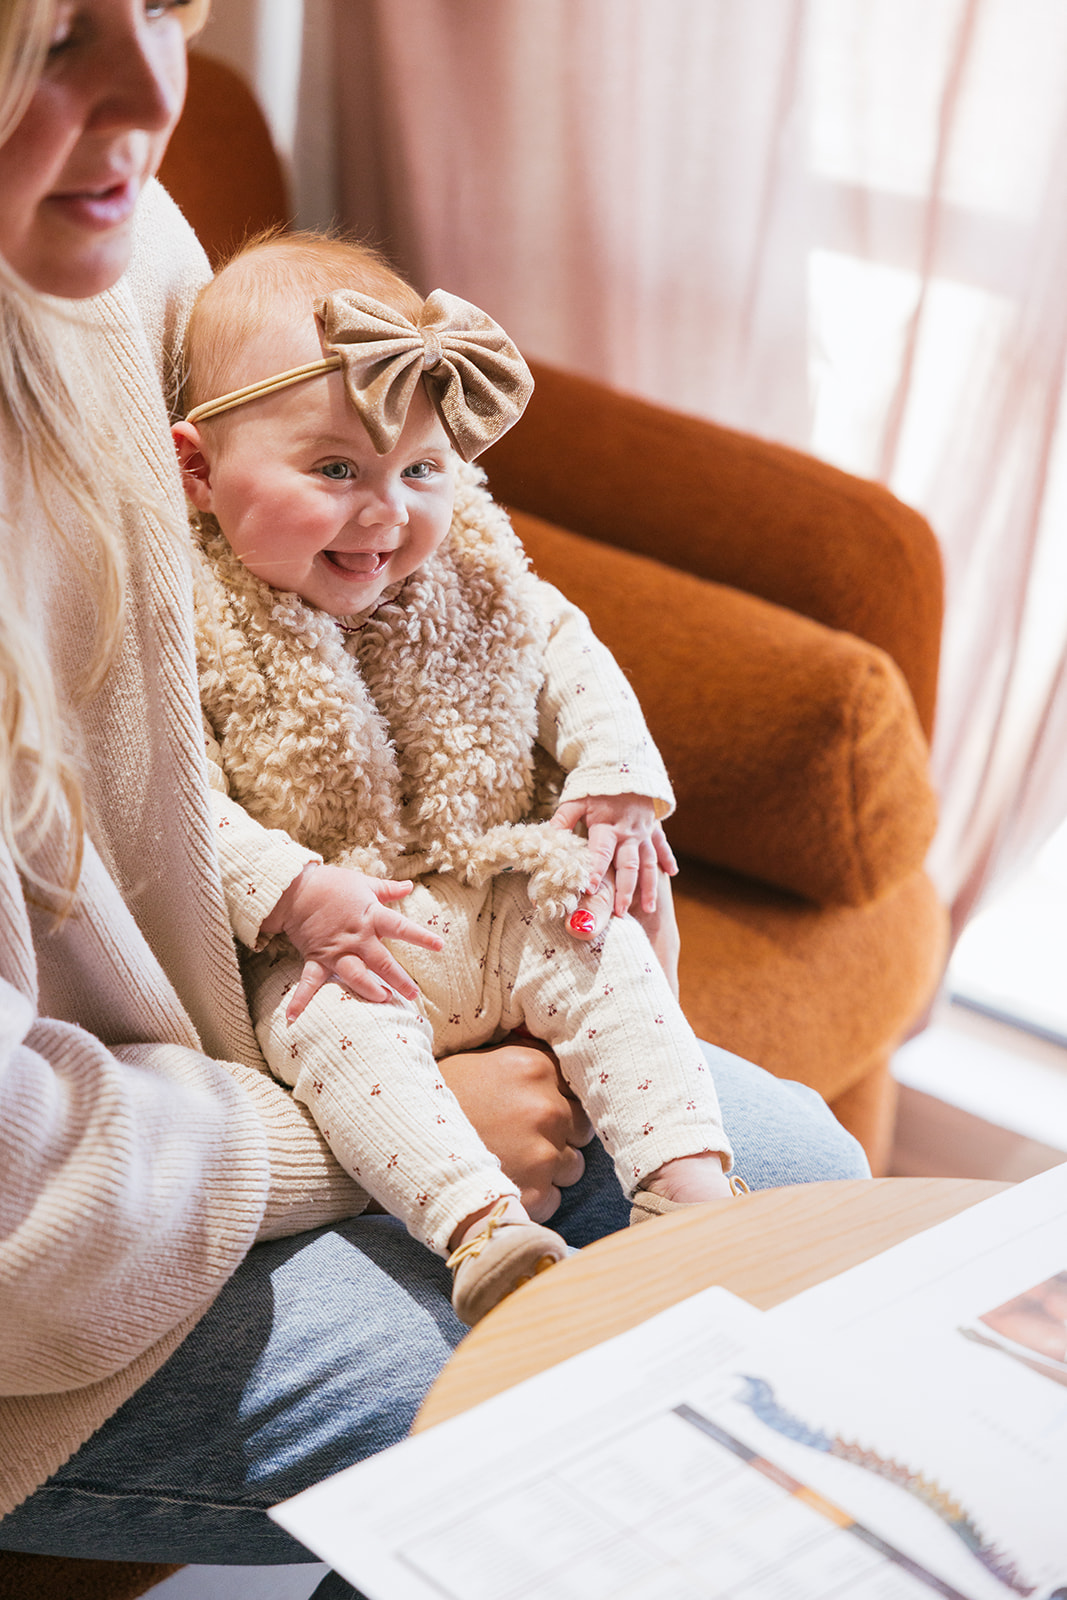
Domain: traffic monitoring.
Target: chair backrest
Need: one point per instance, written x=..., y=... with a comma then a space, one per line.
x=221, y=165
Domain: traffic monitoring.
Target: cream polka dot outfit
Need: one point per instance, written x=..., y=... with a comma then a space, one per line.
x=431, y=741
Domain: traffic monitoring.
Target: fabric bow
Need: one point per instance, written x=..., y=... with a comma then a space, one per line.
x=475, y=376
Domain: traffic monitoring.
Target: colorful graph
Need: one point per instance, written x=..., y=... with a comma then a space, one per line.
x=760, y=1398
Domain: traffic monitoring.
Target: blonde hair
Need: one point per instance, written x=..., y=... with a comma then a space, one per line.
x=57, y=447
x=277, y=275
x=25, y=26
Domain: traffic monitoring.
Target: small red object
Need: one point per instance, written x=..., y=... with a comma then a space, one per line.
x=582, y=922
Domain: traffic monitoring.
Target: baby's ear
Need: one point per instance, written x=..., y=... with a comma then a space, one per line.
x=196, y=469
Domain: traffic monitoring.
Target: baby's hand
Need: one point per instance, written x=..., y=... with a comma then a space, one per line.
x=337, y=918
x=623, y=832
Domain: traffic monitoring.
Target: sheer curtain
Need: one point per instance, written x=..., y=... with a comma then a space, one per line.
x=838, y=223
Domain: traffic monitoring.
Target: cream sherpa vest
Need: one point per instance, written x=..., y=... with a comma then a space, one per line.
x=406, y=747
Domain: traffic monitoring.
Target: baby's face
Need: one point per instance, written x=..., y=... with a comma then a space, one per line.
x=307, y=505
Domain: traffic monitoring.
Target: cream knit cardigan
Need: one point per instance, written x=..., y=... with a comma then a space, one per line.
x=135, y=1169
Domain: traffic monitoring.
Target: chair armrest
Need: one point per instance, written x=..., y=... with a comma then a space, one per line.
x=794, y=749
x=732, y=508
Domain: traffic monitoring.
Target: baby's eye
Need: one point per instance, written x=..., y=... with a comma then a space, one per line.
x=336, y=471
x=421, y=469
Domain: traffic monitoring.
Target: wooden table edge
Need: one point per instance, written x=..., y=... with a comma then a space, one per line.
x=765, y=1247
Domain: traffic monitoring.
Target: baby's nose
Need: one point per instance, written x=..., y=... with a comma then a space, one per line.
x=383, y=503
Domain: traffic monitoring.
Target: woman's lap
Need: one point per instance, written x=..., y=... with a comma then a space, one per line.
x=318, y=1352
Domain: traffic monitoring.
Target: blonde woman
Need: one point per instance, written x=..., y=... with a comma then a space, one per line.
x=197, y=1320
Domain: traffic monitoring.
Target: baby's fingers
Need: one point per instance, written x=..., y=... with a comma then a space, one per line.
x=411, y=933
x=311, y=980
x=387, y=889
x=603, y=844
x=568, y=814
x=375, y=975
x=648, y=882
x=627, y=875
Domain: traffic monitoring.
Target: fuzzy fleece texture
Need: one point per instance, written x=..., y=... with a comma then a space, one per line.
x=405, y=747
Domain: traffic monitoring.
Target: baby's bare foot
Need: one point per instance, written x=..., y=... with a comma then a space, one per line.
x=689, y=1180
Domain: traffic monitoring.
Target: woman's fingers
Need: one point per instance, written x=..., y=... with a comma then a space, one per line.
x=571, y=1167
x=542, y=1201
x=517, y=1100
x=594, y=911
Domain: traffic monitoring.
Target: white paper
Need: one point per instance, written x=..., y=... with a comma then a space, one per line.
x=467, y=1507
x=879, y=1438
x=940, y=1368
x=980, y=1257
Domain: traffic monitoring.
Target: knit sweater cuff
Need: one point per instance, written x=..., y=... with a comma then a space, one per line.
x=258, y=864
x=308, y=1186
x=613, y=778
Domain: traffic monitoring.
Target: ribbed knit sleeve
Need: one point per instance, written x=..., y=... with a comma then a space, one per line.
x=308, y=1187
x=257, y=864
x=590, y=721
x=132, y=1190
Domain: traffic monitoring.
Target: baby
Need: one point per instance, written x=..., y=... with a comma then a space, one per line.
x=387, y=685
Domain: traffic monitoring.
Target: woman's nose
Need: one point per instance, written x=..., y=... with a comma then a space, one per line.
x=145, y=78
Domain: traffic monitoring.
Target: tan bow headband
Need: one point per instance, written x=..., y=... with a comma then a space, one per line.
x=474, y=375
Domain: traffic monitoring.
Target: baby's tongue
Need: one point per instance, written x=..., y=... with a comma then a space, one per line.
x=354, y=560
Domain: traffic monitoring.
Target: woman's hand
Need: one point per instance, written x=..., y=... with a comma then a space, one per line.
x=337, y=918
x=623, y=834
x=517, y=1100
x=660, y=925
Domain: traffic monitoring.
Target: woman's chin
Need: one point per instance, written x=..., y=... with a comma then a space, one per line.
x=73, y=263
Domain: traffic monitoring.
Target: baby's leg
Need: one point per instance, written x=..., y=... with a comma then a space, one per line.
x=457, y=986
x=367, y=1074
x=661, y=926
x=623, y=1044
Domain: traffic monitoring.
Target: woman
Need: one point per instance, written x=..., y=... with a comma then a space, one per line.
x=197, y=1320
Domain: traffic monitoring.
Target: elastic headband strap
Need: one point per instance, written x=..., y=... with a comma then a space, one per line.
x=252, y=391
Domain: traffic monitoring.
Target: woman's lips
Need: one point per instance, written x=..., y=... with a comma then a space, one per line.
x=98, y=207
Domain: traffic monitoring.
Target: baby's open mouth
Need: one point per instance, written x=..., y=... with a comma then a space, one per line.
x=358, y=563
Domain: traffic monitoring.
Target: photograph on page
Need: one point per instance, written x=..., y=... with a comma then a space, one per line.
x=1030, y=1328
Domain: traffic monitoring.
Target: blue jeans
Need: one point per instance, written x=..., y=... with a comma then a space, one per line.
x=318, y=1352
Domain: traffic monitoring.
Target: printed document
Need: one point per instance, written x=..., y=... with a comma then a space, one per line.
x=896, y=1433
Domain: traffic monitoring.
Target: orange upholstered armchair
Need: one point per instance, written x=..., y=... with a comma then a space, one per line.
x=780, y=621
